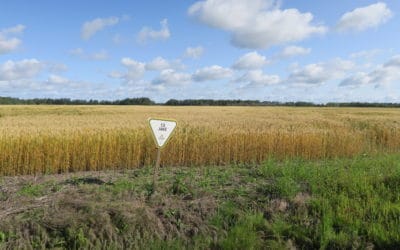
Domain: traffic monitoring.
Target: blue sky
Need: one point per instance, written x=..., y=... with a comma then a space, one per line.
x=319, y=51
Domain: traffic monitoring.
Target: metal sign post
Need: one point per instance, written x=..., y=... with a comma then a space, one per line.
x=162, y=130
x=155, y=173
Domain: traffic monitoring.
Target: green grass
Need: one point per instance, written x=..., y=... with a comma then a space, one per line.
x=354, y=202
x=333, y=204
x=36, y=190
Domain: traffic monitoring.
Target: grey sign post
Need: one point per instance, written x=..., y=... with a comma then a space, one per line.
x=161, y=131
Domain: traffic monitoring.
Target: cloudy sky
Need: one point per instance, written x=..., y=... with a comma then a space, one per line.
x=286, y=50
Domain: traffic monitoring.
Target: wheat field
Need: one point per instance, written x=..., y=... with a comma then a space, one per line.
x=56, y=139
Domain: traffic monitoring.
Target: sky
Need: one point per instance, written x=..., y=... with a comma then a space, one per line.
x=268, y=50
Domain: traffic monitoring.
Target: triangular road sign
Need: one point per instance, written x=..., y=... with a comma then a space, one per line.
x=162, y=130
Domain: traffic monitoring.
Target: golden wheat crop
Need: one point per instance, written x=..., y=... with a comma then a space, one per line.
x=55, y=139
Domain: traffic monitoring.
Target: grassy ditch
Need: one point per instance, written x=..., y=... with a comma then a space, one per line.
x=341, y=203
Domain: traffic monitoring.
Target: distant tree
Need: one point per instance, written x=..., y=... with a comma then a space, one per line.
x=172, y=102
x=187, y=102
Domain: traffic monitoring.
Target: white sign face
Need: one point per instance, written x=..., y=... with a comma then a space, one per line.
x=162, y=129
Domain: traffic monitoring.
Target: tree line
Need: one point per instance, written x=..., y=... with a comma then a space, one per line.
x=187, y=102
x=67, y=101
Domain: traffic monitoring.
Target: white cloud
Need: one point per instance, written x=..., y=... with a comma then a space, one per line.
x=319, y=73
x=310, y=74
x=90, y=28
x=56, y=67
x=194, y=52
x=149, y=34
x=172, y=78
x=365, y=54
x=365, y=17
x=16, y=70
x=255, y=23
x=135, y=69
x=256, y=78
x=116, y=74
x=290, y=51
x=16, y=30
x=360, y=78
x=155, y=88
x=96, y=56
x=381, y=75
x=21, y=77
x=393, y=62
x=76, y=52
x=384, y=75
x=56, y=86
x=59, y=85
x=99, y=56
x=214, y=72
x=58, y=80
x=7, y=43
x=251, y=60
x=160, y=63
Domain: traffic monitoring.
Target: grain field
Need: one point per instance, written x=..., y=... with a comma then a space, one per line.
x=56, y=139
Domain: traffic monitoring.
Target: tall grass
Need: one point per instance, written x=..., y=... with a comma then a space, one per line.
x=55, y=139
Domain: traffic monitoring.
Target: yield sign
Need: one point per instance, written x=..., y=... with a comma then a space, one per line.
x=162, y=130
